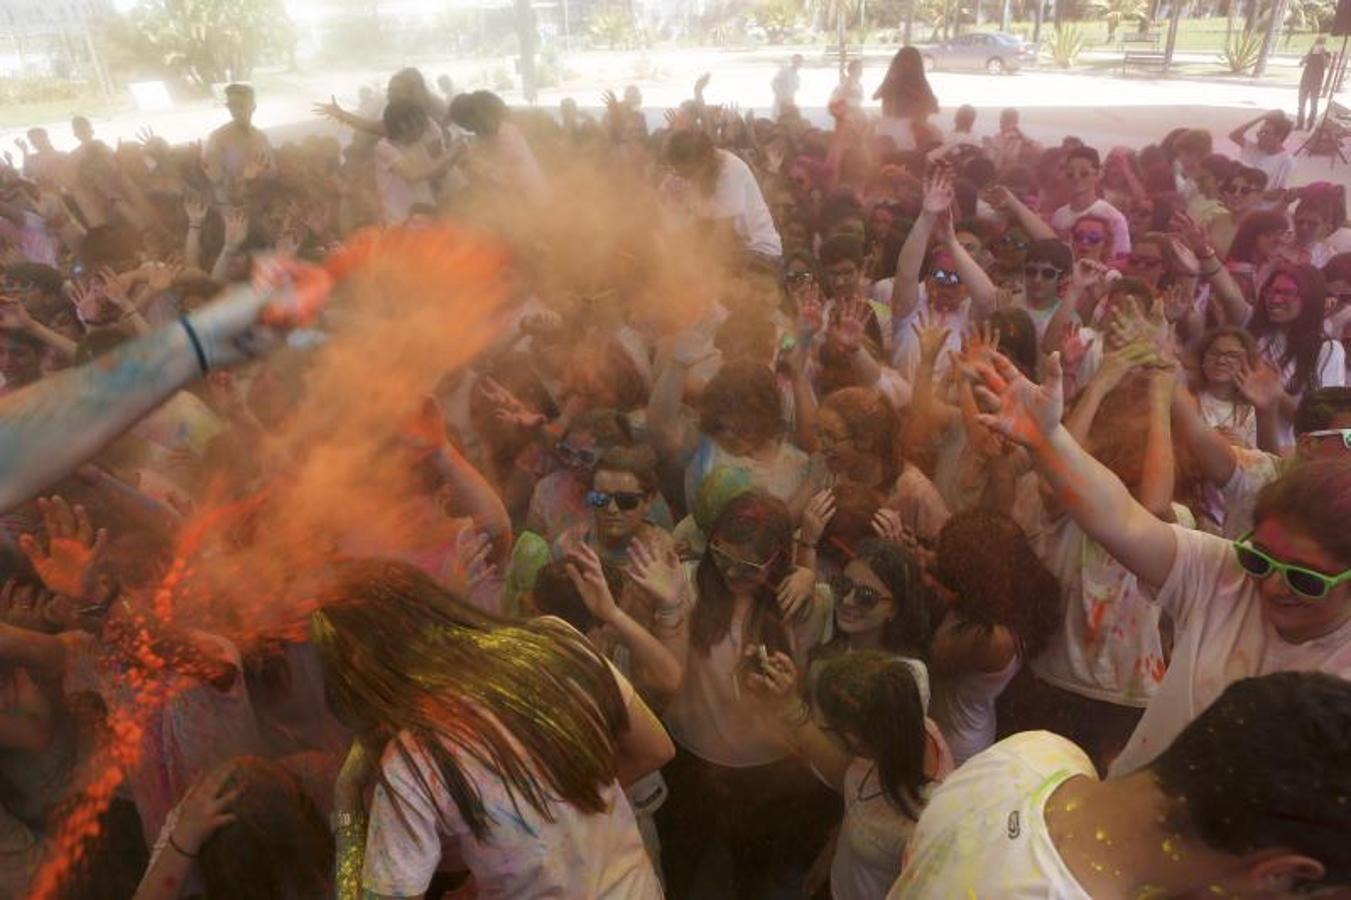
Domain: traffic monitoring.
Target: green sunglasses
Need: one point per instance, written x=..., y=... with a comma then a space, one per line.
x=1305, y=582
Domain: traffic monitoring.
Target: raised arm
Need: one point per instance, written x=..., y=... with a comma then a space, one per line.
x=333, y=111
x=1037, y=228
x=1158, y=479
x=938, y=198
x=49, y=428
x=1095, y=498
x=1240, y=134
x=1234, y=308
x=671, y=435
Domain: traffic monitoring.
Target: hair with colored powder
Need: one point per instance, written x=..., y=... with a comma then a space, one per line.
x=874, y=697
x=402, y=655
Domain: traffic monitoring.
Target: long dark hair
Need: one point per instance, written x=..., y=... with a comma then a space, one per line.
x=874, y=696
x=1254, y=225
x=403, y=655
x=905, y=90
x=278, y=846
x=997, y=579
x=906, y=633
x=764, y=522
x=1304, y=337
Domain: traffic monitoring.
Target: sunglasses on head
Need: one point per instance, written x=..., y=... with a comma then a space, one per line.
x=1343, y=433
x=946, y=277
x=729, y=561
x=1305, y=582
x=858, y=595
x=627, y=501
x=1050, y=273
x=1092, y=238
x=574, y=458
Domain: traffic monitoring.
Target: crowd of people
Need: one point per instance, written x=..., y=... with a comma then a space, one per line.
x=746, y=508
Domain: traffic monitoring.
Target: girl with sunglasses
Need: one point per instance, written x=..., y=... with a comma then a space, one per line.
x=865, y=732
x=1091, y=237
x=881, y=604
x=1003, y=606
x=1277, y=599
x=749, y=604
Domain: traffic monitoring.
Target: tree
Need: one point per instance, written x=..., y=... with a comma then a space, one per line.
x=204, y=41
x=1117, y=11
x=777, y=17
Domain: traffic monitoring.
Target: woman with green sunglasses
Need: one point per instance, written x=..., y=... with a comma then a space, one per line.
x=1277, y=599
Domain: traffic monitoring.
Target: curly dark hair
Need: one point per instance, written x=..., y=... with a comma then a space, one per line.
x=997, y=579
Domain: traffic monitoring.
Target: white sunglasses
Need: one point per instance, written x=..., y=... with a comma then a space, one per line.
x=1344, y=433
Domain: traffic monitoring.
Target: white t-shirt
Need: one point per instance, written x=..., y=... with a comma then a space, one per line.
x=964, y=707
x=873, y=835
x=1237, y=419
x=1219, y=638
x=737, y=196
x=398, y=196
x=1108, y=646
x=1330, y=372
x=1278, y=166
x=905, y=345
x=983, y=833
x=527, y=856
x=1064, y=218
x=711, y=717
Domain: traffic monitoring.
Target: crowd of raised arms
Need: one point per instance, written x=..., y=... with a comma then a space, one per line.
x=515, y=504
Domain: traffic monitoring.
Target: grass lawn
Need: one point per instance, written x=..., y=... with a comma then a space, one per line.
x=1193, y=35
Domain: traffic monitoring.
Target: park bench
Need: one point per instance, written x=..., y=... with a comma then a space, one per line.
x=1142, y=59
x=1139, y=38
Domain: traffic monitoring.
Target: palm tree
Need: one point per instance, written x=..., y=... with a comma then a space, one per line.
x=1118, y=11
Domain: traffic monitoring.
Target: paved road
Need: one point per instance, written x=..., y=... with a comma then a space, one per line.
x=1103, y=110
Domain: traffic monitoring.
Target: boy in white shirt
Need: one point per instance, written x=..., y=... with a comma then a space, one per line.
x=1028, y=818
x=1277, y=600
x=1268, y=152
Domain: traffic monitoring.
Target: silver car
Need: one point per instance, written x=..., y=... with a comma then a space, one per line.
x=993, y=52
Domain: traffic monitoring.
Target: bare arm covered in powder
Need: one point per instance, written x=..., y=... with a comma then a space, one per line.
x=51, y=427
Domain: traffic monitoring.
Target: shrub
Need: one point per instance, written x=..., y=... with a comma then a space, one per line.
x=1242, y=50
x=1066, y=45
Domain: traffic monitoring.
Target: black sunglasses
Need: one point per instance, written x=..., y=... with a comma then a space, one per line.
x=627, y=501
x=860, y=595
x=1050, y=273
x=574, y=458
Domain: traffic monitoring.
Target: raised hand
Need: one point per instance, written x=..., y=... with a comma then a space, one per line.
x=816, y=516
x=657, y=573
x=980, y=343
x=1260, y=384
x=204, y=808
x=702, y=83
x=998, y=196
x=938, y=191
x=585, y=572
x=236, y=227
x=90, y=301
x=195, y=207
x=932, y=335
x=1192, y=234
x=849, y=326
x=65, y=564
x=609, y=100
x=1021, y=410
x=1177, y=302
x=472, y=551
x=811, y=312
x=1073, y=347
x=329, y=110
x=510, y=411
x=1119, y=363
x=795, y=592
